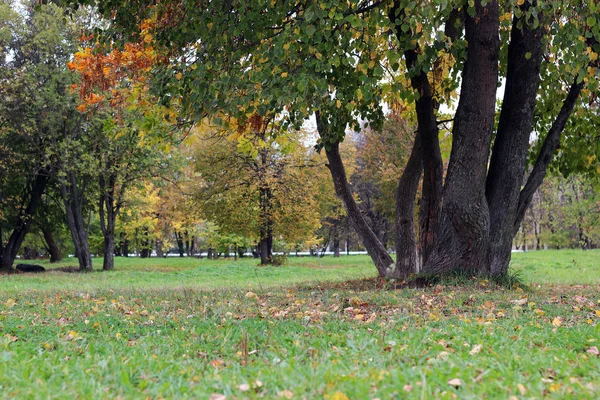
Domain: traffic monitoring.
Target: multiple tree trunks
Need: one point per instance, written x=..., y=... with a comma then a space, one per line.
x=376, y=250
x=8, y=253
x=73, y=201
x=511, y=145
x=469, y=223
x=53, y=249
x=407, y=258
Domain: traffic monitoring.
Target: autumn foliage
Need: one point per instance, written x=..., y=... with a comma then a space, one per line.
x=115, y=75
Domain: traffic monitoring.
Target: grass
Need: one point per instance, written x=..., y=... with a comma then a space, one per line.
x=315, y=328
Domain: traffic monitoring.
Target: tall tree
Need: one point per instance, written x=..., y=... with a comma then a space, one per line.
x=226, y=56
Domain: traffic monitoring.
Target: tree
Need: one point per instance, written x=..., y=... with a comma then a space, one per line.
x=226, y=56
x=271, y=179
x=36, y=105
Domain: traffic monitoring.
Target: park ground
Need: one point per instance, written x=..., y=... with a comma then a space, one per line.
x=314, y=328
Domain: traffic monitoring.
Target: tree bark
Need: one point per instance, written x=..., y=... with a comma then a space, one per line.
x=376, y=250
x=431, y=158
x=180, y=244
x=109, y=209
x=73, y=201
x=53, y=249
x=462, y=235
x=406, y=245
x=9, y=252
x=266, y=221
x=509, y=155
x=551, y=143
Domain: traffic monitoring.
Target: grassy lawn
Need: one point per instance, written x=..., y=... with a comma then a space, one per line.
x=186, y=328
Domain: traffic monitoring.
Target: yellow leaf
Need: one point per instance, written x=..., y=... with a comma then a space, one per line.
x=339, y=396
x=557, y=321
x=522, y=389
x=178, y=76
x=593, y=56
x=520, y=2
x=284, y=74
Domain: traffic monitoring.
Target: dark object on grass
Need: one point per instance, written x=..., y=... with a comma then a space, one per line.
x=30, y=268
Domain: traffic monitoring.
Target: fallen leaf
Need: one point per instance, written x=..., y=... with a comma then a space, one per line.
x=408, y=388
x=455, y=382
x=522, y=389
x=285, y=394
x=244, y=387
x=251, y=295
x=520, y=302
x=557, y=321
x=593, y=350
x=476, y=349
x=339, y=396
x=217, y=396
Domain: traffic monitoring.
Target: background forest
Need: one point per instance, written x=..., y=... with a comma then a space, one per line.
x=94, y=162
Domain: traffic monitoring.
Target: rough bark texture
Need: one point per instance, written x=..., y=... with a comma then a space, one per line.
x=376, y=250
x=73, y=201
x=433, y=170
x=53, y=249
x=509, y=156
x=551, y=143
x=9, y=252
x=462, y=236
x=406, y=245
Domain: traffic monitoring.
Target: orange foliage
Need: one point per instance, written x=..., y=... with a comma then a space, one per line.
x=113, y=75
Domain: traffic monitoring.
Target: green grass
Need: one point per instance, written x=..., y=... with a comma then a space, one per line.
x=192, y=328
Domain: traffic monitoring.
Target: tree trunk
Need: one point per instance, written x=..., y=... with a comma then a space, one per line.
x=509, y=156
x=551, y=143
x=429, y=144
x=408, y=185
x=53, y=249
x=108, y=209
x=180, y=244
x=462, y=236
x=125, y=248
x=9, y=252
x=335, y=239
x=266, y=226
x=382, y=260
x=73, y=201
x=159, y=249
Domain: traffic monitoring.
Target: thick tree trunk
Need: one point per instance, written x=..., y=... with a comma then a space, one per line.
x=462, y=236
x=73, y=201
x=9, y=252
x=509, y=156
x=53, y=249
x=406, y=246
x=376, y=250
